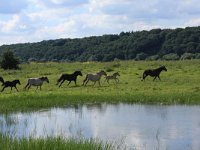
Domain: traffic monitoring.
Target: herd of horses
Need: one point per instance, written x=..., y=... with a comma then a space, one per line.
x=38, y=82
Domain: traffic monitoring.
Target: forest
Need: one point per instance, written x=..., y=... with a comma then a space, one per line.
x=156, y=44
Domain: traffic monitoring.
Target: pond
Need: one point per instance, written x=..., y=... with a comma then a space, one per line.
x=135, y=126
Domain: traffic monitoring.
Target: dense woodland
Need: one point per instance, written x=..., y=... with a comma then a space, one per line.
x=167, y=44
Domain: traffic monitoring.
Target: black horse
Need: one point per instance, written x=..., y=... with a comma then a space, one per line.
x=69, y=77
x=11, y=84
x=154, y=72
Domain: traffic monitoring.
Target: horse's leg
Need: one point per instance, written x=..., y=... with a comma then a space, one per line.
x=26, y=85
x=86, y=82
x=40, y=87
x=99, y=83
x=94, y=83
x=108, y=81
x=3, y=89
x=16, y=88
x=61, y=83
x=29, y=86
x=154, y=78
x=69, y=83
x=117, y=80
x=36, y=88
x=75, y=82
x=144, y=76
x=159, y=78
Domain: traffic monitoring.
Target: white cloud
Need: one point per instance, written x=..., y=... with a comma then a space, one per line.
x=51, y=19
x=11, y=24
x=193, y=22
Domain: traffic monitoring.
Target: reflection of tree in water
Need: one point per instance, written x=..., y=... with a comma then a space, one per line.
x=10, y=119
x=78, y=110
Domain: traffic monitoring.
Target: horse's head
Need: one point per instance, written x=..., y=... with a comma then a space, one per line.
x=45, y=79
x=17, y=82
x=78, y=73
x=116, y=74
x=164, y=68
x=102, y=73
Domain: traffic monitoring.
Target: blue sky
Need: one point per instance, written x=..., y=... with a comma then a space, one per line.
x=36, y=20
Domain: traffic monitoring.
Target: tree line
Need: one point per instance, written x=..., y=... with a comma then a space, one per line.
x=165, y=44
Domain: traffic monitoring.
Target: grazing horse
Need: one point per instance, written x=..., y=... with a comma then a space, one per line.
x=94, y=77
x=153, y=73
x=69, y=77
x=11, y=84
x=112, y=77
x=36, y=82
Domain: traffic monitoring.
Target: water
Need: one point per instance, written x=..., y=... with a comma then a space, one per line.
x=145, y=127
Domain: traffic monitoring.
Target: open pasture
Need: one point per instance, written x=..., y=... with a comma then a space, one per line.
x=179, y=85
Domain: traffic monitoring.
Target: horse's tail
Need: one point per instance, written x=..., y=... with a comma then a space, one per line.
x=143, y=76
x=60, y=79
x=85, y=79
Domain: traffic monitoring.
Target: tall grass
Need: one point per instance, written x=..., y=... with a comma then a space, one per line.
x=49, y=143
x=179, y=85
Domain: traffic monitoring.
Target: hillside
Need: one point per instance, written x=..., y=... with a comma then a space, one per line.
x=154, y=44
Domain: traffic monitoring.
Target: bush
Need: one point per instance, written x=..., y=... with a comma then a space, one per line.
x=9, y=61
x=197, y=56
x=154, y=57
x=141, y=56
x=92, y=58
x=188, y=56
x=171, y=56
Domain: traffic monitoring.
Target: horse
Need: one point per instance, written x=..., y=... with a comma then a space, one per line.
x=36, y=82
x=69, y=77
x=94, y=77
x=112, y=77
x=153, y=73
x=11, y=84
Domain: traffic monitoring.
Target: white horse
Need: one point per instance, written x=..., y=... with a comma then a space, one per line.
x=36, y=82
x=94, y=77
x=112, y=77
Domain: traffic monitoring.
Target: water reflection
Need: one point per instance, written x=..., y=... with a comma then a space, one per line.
x=137, y=126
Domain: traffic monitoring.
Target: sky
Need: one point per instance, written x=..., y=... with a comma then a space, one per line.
x=24, y=21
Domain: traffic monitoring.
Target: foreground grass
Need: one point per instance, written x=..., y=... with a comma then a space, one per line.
x=179, y=85
x=8, y=143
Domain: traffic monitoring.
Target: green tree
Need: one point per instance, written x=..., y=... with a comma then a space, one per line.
x=9, y=61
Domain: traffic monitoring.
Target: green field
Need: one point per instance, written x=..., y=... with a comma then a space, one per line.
x=179, y=85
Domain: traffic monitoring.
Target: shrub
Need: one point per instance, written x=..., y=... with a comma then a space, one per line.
x=188, y=56
x=154, y=57
x=197, y=56
x=92, y=58
x=171, y=56
x=9, y=61
x=141, y=56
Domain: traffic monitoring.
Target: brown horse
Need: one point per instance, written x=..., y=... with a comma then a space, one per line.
x=69, y=77
x=153, y=73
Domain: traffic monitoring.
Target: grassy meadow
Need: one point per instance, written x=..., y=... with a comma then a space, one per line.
x=179, y=85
